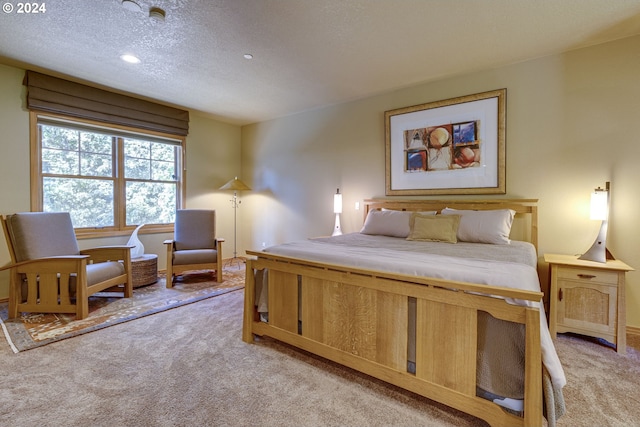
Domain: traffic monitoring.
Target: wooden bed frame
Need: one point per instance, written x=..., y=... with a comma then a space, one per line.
x=358, y=318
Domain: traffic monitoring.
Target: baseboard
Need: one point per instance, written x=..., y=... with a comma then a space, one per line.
x=633, y=330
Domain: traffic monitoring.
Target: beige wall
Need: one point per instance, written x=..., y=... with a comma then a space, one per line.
x=570, y=121
x=213, y=157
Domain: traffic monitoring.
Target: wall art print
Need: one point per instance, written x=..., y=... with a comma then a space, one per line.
x=454, y=146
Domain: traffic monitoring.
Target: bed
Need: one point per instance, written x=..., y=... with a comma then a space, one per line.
x=421, y=304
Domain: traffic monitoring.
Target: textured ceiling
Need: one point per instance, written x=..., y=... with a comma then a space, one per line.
x=307, y=54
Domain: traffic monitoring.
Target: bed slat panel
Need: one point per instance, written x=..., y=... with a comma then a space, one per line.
x=446, y=350
x=312, y=308
x=283, y=300
x=392, y=326
x=350, y=319
x=364, y=322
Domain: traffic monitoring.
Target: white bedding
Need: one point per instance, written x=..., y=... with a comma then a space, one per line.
x=470, y=262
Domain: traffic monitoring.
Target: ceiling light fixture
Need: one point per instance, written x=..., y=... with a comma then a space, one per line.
x=248, y=56
x=157, y=14
x=132, y=59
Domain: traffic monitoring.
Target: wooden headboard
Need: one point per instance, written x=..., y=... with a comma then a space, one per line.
x=525, y=224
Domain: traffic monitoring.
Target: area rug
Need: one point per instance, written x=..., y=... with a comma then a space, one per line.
x=35, y=330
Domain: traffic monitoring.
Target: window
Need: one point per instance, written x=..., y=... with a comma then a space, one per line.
x=109, y=179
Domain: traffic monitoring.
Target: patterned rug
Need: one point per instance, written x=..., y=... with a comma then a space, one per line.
x=35, y=330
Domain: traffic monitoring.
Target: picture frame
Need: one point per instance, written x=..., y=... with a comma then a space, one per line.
x=452, y=146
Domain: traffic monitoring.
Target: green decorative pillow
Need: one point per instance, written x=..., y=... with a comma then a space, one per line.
x=434, y=228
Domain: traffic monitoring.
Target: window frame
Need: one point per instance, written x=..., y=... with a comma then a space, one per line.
x=120, y=228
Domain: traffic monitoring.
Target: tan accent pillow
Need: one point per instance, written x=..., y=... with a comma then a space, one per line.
x=434, y=228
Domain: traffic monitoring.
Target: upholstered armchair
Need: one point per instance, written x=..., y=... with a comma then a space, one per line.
x=48, y=271
x=195, y=246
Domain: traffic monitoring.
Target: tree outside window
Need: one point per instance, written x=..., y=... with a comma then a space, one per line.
x=108, y=180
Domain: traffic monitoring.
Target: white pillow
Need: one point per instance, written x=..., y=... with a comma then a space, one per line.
x=490, y=226
x=388, y=223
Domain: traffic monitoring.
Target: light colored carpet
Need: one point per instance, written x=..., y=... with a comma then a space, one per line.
x=32, y=330
x=189, y=367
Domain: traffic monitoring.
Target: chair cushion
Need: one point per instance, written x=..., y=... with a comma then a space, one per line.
x=42, y=234
x=102, y=271
x=195, y=229
x=195, y=256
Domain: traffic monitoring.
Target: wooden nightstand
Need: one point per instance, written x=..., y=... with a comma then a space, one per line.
x=588, y=298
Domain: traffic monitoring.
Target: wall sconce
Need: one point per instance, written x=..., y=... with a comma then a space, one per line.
x=337, y=209
x=599, y=211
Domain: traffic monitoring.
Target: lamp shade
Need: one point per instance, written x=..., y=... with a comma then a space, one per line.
x=600, y=204
x=236, y=185
x=337, y=202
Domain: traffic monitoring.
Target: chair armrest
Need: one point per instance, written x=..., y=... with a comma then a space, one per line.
x=108, y=253
x=47, y=263
x=220, y=239
x=168, y=242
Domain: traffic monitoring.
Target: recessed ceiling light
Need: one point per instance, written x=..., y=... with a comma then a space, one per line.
x=248, y=56
x=157, y=14
x=131, y=5
x=130, y=59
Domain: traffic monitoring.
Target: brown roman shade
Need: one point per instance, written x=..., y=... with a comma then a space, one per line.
x=53, y=95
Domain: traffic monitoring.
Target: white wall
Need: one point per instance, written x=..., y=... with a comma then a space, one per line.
x=570, y=121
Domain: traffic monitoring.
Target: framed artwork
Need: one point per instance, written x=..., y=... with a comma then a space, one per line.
x=453, y=146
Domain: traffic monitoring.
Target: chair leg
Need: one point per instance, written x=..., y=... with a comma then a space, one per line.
x=14, y=299
x=219, y=268
x=128, y=289
x=82, y=308
x=169, y=275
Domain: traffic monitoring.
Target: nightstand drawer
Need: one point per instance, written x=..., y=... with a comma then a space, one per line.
x=588, y=275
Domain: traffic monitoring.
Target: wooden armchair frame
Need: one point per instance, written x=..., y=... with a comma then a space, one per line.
x=194, y=238
x=48, y=280
x=174, y=270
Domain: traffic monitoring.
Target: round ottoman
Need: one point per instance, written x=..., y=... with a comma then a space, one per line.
x=144, y=270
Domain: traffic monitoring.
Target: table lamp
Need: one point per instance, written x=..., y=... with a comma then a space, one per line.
x=599, y=211
x=337, y=209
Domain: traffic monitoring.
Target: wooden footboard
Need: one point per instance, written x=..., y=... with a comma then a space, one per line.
x=358, y=318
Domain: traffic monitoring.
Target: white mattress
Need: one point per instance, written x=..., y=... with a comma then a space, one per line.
x=511, y=266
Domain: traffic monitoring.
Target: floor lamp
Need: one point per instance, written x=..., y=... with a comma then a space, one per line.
x=236, y=185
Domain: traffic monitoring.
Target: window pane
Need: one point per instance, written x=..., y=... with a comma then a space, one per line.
x=150, y=160
x=137, y=168
x=96, y=165
x=137, y=160
x=96, y=143
x=96, y=154
x=164, y=171
x=60, y=162
x=137, y=148
x=89, y=201
x=150, y=203
x=60, y=138
x=166, y=152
